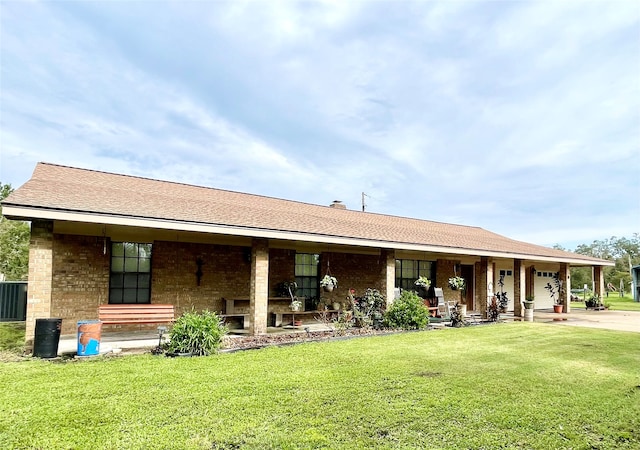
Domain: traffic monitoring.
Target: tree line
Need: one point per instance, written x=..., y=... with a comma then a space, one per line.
x=625, y=252
x=14, y=244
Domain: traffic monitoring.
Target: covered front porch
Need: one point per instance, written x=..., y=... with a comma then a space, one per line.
x=72, y=270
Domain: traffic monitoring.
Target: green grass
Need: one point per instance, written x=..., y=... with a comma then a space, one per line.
x=520, y=385
x=12, y=336
x=617, y=303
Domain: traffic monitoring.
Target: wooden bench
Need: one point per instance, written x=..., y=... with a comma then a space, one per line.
x=136, y=314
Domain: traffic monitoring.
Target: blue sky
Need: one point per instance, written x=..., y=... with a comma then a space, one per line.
x=520, y=117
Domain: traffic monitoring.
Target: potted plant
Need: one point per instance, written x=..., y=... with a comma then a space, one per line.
x=423, y=284
x=457, y=316
x=296, y=305
x=594, y=302
x=528, y=302
x=555, y=292
x=456, y=283
x=501, y=297
x=328, y=283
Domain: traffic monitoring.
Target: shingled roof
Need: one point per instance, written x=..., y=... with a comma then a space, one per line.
x=67, y=193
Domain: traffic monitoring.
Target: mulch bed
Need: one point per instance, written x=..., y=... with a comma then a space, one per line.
x=232, y=344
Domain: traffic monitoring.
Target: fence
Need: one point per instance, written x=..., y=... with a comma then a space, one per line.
x=13, y=301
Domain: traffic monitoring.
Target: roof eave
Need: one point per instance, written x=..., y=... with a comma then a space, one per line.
x=21, y=212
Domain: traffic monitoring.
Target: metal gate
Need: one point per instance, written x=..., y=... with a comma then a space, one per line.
x=13, y=301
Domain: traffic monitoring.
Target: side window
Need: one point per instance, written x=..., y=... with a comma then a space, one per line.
x=130, y=279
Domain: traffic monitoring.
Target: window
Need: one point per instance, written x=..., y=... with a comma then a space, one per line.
x=408, y=271
x=307, y=277
x=506, y=273
x=548, y=274
x=130, y=280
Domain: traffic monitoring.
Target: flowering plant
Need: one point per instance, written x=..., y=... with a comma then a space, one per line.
x=351, y=299
x=369, y=309
x=456, y=283
x=295, y=304
x=328, y=280
x=423, y=282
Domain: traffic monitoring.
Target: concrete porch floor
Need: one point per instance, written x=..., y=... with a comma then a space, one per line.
x=118, y=341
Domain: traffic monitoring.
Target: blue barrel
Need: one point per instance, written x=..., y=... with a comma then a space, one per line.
x=89, y=332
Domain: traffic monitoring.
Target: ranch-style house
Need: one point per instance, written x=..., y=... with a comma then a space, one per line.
x=101, y=238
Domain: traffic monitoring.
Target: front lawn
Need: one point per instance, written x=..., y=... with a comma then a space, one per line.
x=617, y=303
x=519, y=385
x=614, y=302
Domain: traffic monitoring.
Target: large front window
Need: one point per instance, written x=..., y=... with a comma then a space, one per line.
x=409, y=270
x=130, y=280
x=307, y=277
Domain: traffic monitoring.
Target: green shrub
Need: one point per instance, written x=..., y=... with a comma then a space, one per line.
x=407, y=312
x=196, y=333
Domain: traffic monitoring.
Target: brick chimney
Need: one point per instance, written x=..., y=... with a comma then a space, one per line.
x=337, y=204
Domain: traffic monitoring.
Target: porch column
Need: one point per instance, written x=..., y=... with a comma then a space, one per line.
x=519, y=285
x=598, y=278
x=259, y=293
x=563, y=276
x=389, y=274
x=40, y=276
x=484, y=284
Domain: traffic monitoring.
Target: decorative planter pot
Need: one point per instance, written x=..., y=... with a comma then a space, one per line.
x=295, y=308
x=328, y=288
x=423, y=292
x=463, y=309
x=528, y=311
x=557, y=308
x=528, y=304
x=336, y=306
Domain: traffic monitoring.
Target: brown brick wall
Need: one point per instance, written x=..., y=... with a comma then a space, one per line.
x=226, y=272
x=80, y=279
x=39, y=294
x=281, y=268
x=353, y=271
x=259, y=293
x=484, y=276
x=444, y=271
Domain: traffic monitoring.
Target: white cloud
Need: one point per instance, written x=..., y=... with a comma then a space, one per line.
x=490, y=114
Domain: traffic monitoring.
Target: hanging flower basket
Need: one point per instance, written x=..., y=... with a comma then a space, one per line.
x=456, y=283
x=328, y=283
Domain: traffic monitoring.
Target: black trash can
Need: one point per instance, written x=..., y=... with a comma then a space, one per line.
x=45, y=343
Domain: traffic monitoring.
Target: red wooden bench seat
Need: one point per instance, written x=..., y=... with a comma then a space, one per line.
x=140, y=313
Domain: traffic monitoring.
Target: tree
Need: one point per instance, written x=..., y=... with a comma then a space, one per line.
x=624, y=252
x=14, y=243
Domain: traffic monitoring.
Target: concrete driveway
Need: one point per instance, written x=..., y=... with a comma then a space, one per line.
x=610, y=320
